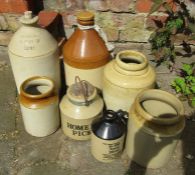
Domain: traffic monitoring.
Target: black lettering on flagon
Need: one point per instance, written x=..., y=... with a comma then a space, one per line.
x=78, y=127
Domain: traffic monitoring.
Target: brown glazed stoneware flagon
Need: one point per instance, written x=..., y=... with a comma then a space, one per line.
x=85, y=53
x=156, y=119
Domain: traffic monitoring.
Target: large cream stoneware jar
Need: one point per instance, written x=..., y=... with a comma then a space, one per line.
x=156, y=121
x=39, y=106
x=33, y=52
x=125, y=77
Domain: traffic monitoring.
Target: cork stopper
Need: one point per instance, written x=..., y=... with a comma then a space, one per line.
x=85, y=18
x=81, y=92
x=28, y=18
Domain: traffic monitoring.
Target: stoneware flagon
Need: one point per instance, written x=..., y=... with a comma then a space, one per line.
x=156, y=121
x=108, y=134
x=85, y=53
x=39, y=106
x=33, y=52
x=79, y=107
x=124, y=77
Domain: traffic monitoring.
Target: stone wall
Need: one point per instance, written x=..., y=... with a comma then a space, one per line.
x=126, y=22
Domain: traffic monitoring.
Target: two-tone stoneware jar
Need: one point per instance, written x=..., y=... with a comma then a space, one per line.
x=39, y=106
x=33, y=52
x=124, y=77
x=79, y=107
x=108, y=134
x=85, y=53
x=156, y=121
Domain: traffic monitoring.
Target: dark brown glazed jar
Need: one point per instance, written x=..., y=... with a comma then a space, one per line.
x=85, y=53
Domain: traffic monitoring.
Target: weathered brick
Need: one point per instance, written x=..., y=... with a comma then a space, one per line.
x=74, y=4
x=143, y=6
x=18, y=6
x=69, y=18
x=150, y=24
x=13, y=21
x=111, y=33
x=134, y=35
x=120, y=6
x=58, y=5
x=5, y=38
x=3, y=23
x=50, y=20
x=99, y=5
x=141, y=47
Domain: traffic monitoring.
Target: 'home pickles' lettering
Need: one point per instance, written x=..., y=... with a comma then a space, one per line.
x=79, y=130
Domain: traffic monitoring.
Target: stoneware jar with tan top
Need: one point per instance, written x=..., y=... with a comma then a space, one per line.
x=79, y=107
x=108, y=134
x=85, y=53
x=156, y=121
x=124, y=77
x=33, y=52
x=39, y=106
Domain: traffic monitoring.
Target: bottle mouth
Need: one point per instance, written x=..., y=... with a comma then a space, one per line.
x=37, y=87
x=131, y=60
x=159, y=107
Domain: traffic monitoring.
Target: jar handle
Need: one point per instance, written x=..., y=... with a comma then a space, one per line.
x=83, y=87
x=123, y=116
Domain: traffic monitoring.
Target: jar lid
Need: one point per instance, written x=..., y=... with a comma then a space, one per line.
x=81, y=92
x=85, y=16
x=111, y=126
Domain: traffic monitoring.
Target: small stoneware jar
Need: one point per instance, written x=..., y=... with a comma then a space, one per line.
x=79, y=107
x=39, y=106
x=33, y=52
x=156, y=121
x=85, y=53
x=124, y=77
x=108, y=134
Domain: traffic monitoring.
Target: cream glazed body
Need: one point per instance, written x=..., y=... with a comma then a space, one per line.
x=33, y=52
x=156, y=119
x=124, y=77
x=39, y=106
x=77, y=114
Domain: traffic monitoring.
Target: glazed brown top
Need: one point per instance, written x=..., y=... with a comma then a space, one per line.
x=86, y=50
x=37, y=103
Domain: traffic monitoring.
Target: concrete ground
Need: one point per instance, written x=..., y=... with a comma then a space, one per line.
x=22, y=154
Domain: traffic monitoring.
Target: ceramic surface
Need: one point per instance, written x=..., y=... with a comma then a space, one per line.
x=156, y=119
x=124, y=77
x=33, y=52
x=85, y=50
x=39, y=106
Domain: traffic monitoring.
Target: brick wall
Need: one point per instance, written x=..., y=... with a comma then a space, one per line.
x=125, y=22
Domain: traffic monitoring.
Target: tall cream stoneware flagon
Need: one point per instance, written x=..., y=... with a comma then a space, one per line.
x=156, y=121
x=39, y=106
x=85, y=53
x=79, y=108
x=124, y=77
x=33, y=52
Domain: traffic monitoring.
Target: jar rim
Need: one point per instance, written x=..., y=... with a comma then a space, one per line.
x=138, y=57
x=168, y=98
x=37, y=81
